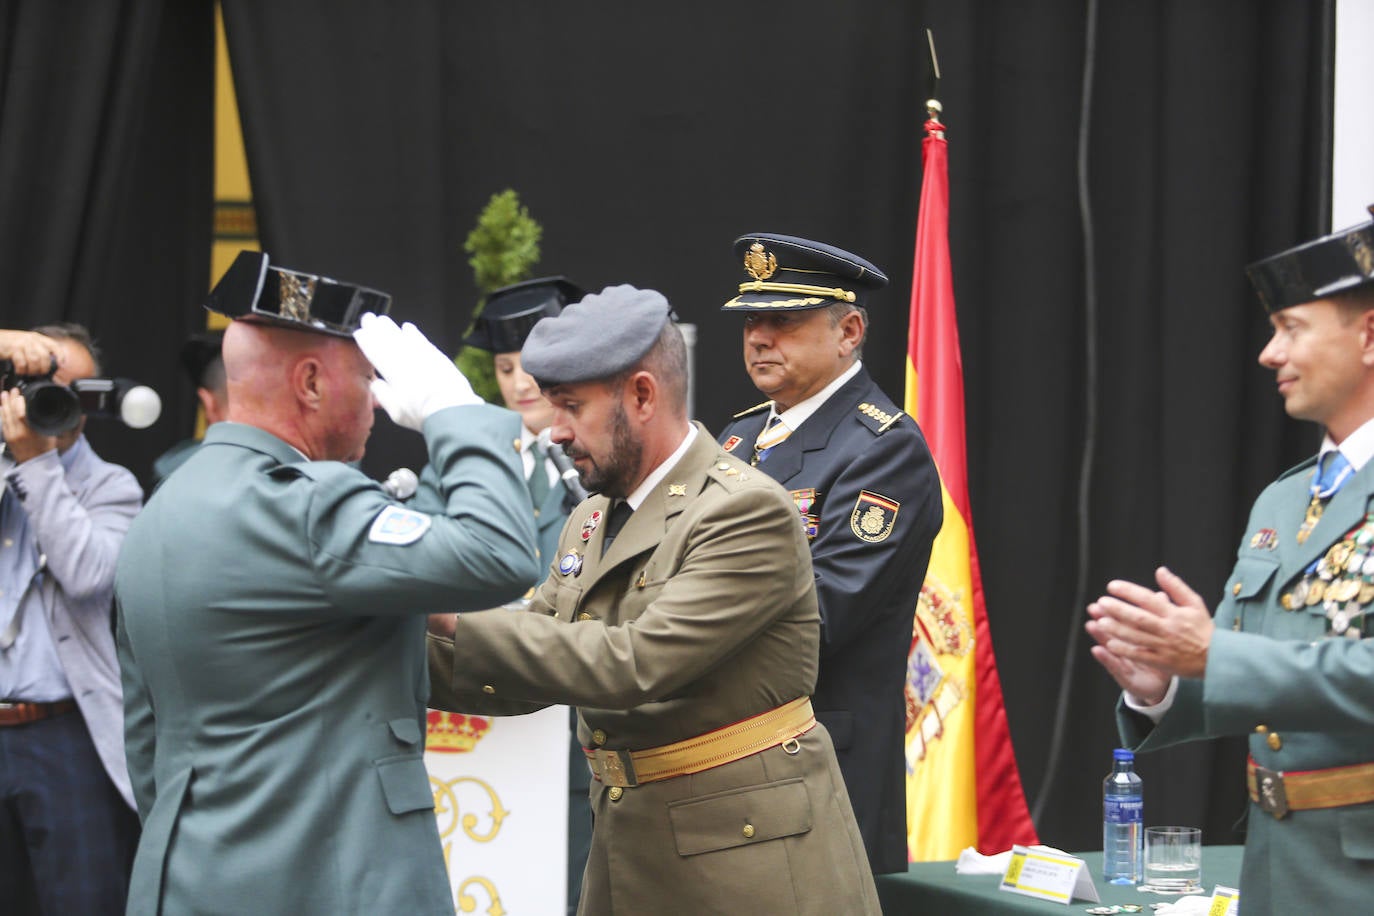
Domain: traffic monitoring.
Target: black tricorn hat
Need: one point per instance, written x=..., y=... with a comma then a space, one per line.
x=791, y=274
x=512, y=311
x=198, y=353
x=1335, y=263
x=256, y=289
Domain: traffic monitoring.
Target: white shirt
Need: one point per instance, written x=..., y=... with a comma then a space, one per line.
x=527, y=455
x=641, y=493
x=794, y=416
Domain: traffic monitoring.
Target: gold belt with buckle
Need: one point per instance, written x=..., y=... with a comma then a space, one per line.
x=1278, y=792
x=780, y=726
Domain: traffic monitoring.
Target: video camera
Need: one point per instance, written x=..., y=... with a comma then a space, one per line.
x=54, y=408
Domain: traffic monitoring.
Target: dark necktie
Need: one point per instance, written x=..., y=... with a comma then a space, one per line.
x=620, y=514
x=538, y=481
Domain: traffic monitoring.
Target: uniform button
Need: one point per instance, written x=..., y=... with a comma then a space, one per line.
x=1261, y=729
x=598, y=737
x=1235, y=589
x=9, y=542
x=487, y=688
x=585, y=616
x=748, y=831
x=722, y=466
x=1274, y=741
x=615, y=792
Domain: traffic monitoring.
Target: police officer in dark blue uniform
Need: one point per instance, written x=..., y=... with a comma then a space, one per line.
x=867, y=494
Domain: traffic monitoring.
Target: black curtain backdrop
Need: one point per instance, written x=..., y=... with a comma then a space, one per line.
x=646, y=139
x=106, y=158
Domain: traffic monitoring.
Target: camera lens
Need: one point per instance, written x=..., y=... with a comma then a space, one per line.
x=52, y=408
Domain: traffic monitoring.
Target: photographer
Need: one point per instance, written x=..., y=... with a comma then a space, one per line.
x=67, y=825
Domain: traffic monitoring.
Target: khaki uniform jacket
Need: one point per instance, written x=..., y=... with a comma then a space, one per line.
x=1310, y=689
x=702, y=613
x=271, y=640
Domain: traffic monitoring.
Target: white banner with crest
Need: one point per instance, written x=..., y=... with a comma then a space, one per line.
x=501, y=797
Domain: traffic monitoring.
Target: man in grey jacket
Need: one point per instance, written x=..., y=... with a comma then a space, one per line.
x=67, y=824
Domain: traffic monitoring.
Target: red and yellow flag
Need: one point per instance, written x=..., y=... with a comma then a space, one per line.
x=963, y=787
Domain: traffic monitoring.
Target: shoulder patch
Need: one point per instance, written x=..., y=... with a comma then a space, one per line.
x=877, y=419
x=394, y=525
x=729, y=444
x=873, y=516
x=755, y=409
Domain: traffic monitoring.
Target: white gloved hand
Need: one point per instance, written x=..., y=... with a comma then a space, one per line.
x=417, y=379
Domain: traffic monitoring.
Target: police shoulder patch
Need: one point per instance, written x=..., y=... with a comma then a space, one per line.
x=395, y=525
x=873, y=516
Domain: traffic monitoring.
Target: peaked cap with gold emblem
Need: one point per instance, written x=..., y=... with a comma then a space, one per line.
x=254, y=288
x=786, y=274
x=1335, y=263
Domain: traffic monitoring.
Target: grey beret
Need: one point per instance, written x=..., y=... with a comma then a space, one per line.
x=596, y=338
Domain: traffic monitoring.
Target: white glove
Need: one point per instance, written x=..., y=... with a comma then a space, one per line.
x=417, y=378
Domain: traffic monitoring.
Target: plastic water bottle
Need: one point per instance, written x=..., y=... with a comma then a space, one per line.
x=1122, y=817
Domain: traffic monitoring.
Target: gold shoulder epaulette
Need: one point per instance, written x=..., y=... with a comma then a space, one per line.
x=755, y=409
x=880, y=418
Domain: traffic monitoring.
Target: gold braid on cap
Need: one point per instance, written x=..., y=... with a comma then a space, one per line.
x=759, y=286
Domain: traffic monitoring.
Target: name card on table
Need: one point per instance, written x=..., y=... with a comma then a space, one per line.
x=1048, y=876
x=1225, y=902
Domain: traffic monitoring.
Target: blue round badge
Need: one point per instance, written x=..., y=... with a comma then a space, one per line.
x=571, y=564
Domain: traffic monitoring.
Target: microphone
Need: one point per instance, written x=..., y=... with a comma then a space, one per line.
x=567, y=472
x=400, y=484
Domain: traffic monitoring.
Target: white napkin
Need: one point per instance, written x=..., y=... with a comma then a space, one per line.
x=973, y=862
x=1191, y=905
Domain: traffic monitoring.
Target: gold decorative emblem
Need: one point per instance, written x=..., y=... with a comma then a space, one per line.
x=760, y=263
x=297, y=292
x=677, y=489
x=873, y=516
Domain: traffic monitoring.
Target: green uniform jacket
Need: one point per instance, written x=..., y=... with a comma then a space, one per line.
x=271, y=638
x=702, y=613
x=1280, y=669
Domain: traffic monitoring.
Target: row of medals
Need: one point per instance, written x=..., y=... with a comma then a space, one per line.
x=1343, y=582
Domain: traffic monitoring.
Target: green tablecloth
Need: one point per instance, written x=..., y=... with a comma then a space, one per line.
x=933, y=889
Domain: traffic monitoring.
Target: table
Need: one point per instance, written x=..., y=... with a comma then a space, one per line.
x=930, y=888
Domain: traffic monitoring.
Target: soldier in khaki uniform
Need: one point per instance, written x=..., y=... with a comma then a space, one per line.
x=689, y=646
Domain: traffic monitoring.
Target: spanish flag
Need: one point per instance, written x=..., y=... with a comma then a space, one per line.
x=963, y=787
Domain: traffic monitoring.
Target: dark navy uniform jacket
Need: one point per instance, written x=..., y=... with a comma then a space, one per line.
x=872, y=517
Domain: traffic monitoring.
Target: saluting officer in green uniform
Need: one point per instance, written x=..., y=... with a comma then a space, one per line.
x=681, y=620
x=272, y=602
x=1287, y=658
